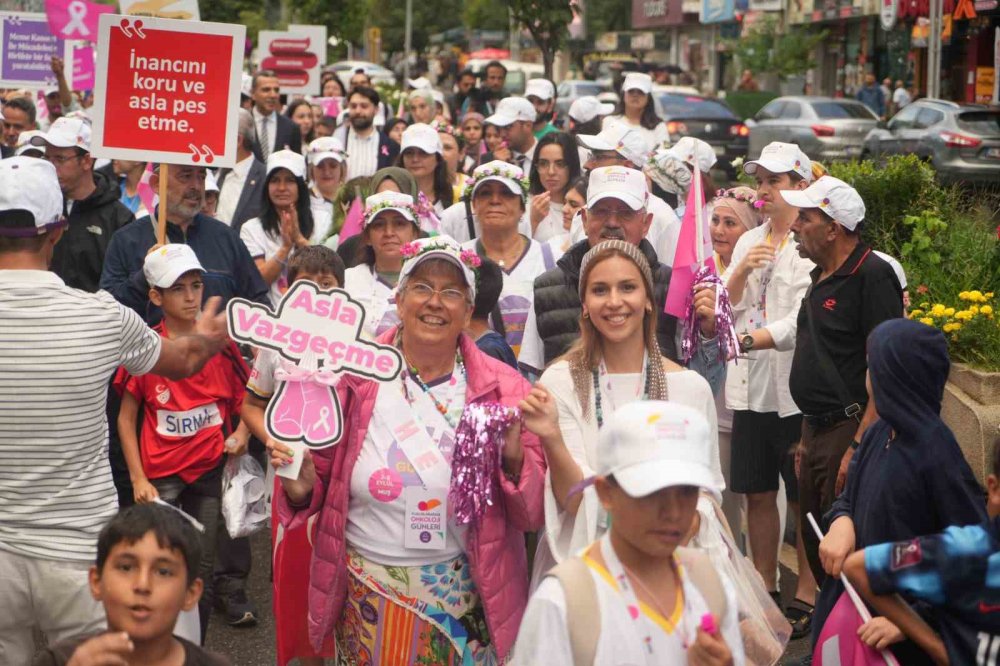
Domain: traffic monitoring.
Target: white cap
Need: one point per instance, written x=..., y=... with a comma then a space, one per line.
x=24, y=143
x=896, y=267
x=388, y=200
x=211, y=184
x=164, y=266
x=503, y=172
x=832, y=196
x=438, y=96
x=423, y=137
x=618, y=182
x=246, y=85
x=29, y=184
x=778, y=157
x=287, y=159
x=325, y=147
x=439, y=247
x=629, y=143
x=694, y=152
x=540, y=88
x=511, y=110
x=586, y=108
x=418, y=83
x=66, y=133
x=638, y=81
x=650, y=445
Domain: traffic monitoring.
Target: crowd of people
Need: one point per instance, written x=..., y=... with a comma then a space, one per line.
x=609, y=483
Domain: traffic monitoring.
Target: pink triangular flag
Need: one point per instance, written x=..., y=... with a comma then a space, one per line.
x=354, y=219
x=694, y=249
x=145, y=192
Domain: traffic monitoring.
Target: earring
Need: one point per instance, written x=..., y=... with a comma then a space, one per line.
x=586, y=315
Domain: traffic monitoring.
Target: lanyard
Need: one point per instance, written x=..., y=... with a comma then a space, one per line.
x=765, y=281
x=602, y=384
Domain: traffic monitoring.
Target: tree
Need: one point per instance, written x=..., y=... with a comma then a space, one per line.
x=429, y=18
x=765, y=49
x=547, y=21
x=486, y=15
x=607, y=16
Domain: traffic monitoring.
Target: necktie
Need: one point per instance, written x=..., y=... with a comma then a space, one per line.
x=265, y=139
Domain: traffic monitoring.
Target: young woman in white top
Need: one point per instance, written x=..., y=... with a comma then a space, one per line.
x=638, y=111
x=767, y=280
x=422, y=154
x=390, y=223
x=616, y=361
x=285, y=223
x=554, y=166
x=326, y=157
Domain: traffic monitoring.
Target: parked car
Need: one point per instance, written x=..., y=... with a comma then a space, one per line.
x=571, y=90
x=377, y=73
x=705, y=118
x=827, y=129
x=961, y=141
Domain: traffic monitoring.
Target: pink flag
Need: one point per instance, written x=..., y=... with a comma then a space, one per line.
x=83, y=68
x=838, y=643
x=694, y=250
x=144, y=190
x=75, y=19
x=354, y=219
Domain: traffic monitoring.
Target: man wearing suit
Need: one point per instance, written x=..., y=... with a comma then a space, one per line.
x=368, y=148
x=274, y=131
x=241, y=189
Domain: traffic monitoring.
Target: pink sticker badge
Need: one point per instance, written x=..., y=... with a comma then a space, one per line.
x=385, y=485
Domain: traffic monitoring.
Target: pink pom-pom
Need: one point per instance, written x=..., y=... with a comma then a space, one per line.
x=475, y=463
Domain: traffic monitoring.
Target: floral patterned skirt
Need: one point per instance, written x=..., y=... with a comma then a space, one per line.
x=427, y=615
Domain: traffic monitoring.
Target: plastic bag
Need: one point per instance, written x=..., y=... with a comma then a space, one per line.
x=244, y=505
x=763, y=626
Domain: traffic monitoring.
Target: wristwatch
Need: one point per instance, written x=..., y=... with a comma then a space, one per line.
x=746, y=342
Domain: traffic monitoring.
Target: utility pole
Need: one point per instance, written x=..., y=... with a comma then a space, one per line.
x=934, y=49
x=408, y=41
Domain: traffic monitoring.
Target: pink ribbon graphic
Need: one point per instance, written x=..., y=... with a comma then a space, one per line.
x=75, y=19
x=306, y=408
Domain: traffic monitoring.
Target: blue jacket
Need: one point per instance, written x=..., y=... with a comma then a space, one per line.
x=873, y=98
x=229, y=270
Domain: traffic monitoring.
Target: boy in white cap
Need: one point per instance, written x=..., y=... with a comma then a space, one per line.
x=542, y=95
x=185, y=424
x=851, y=292
x=633, y=597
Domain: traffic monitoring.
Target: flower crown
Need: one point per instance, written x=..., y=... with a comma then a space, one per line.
x=732, y=193
x=446, y=128
x=372, y=211
x=508, y=171
x=467, y=257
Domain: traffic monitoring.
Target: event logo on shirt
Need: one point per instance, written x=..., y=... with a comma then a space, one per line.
x=905, y=554
x=186, y=424
x=830, y=304
x=162, y=394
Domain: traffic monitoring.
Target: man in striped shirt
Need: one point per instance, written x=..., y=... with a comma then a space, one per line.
x=58, y=348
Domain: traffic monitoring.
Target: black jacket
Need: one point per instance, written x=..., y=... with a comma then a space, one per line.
x=79, y=256
x=557, y=303
x=288, y=136
x=252, y=197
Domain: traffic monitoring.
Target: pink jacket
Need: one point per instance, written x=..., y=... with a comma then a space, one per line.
x=496, y=551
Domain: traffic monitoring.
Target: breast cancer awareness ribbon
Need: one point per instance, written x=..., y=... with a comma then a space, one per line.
x=77, y=11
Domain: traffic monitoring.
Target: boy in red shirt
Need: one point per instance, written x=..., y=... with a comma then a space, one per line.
x=185, y=424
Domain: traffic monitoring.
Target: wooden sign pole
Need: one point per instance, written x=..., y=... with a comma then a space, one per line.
x=161, y=229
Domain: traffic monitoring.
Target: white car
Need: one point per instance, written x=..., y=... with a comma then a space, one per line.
x=377, y=73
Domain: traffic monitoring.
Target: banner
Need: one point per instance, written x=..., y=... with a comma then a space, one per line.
x=718, y=11
x=167, y=9
x=295, y=56
x=26, y=49
x=83, y=68
x=75, y=19
x=656, y=13
x=171, y=93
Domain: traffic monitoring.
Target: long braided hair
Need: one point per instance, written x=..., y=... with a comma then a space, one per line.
x=586, y=353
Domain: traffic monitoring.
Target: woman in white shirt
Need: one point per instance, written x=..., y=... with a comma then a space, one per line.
x=637, y=111
x=616, y=361
x=326, y=157
x=422, y=154
x=554, y=166
x=286, y=222
x=390, y=223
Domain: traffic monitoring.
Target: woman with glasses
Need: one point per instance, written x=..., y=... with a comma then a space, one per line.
x=554, y=166
x=386, y=594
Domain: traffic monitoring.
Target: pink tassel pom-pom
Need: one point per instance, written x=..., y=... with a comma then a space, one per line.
x=725, y=321
x=475, y=463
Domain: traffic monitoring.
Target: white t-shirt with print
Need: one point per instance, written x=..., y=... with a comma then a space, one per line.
x=377, y=297
x=263, y=245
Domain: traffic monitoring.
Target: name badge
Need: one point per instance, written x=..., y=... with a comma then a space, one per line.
x=426, y=525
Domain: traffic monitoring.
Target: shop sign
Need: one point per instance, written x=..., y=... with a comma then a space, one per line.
x=888, y=14
x=718, y=11
x=656, y=13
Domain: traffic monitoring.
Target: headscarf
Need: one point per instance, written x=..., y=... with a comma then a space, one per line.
x=403, y=179
x=473, y=115
x=741, y=201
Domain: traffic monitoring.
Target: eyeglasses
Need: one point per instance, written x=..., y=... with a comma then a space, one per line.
x=620, y=214
x=424, y=292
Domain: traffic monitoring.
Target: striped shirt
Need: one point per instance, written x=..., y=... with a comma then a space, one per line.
x=58, y=349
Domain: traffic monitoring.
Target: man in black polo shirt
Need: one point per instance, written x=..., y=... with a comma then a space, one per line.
x=852, y=292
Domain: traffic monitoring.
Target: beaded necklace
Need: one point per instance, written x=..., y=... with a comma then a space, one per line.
x=643, y=383
x=442, y=407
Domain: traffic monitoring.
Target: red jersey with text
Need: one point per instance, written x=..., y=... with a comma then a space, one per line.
x=185, y=422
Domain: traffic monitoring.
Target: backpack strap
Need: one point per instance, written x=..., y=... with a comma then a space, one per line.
x=583, y=612
x=468, y=219
x=699, y=570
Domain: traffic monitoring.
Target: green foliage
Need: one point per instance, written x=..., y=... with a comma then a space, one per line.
x=547, y=21
x=746, y=104
x=608, y=16
x=923, y=228
x=767, y=50
x=429, y=18
x=486, y=15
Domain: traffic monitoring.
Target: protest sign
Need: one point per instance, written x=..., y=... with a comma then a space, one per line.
x=295, y=56
x=309, y=326
x=75, y=19
x=171, y=93
x=26, y=49
x=167, y=9
x=83, y=68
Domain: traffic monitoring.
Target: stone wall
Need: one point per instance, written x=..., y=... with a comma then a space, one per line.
x=971, y=408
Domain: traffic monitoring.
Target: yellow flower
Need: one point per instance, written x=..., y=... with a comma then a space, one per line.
x=976, y=296
x=963, y=315
x=925, y=305
x=949, y=312
x=974, y=309
x=989, y=294
x=954, y=326
x=915, y=313
x=963, y=295
x=926, y=320
x=986, y=309
x=938, y=310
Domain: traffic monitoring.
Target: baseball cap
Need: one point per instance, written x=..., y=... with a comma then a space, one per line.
x=439, y=247
x=695, y=153
x=503, y=172
x=287, y=159
x=66, y=133
x=832, y=196
x=383, y=201
x=588, y=107
x=325, y=147
x=540, y=88
x=422, y=137
x=211, y=184
x=30, y=198
x=24, y=143
x=418, y=83
x=511, y=110
x=778, y=157
x=165, y=265
x=638, y=81
x=653, y=444
x=618, y=182
x=618, y=137
x=246, y=85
